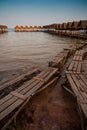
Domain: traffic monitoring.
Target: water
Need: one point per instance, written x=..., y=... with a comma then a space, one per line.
x=26, y=49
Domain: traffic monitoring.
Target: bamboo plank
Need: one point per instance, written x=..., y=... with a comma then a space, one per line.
x=18, y=79
x=75, y=66
x=72, y=83
x=10, y=109
x=76, y=80
x=79, y=68
x=18, y=95
x=71, y=65
x=83, y=85
x=83, y=79
x=20, y=88
x=84, y=108
x=14, y=101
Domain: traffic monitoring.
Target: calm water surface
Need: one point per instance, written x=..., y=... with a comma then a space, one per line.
x=23, y=49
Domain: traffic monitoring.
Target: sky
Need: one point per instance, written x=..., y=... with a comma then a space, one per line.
x=41, y=12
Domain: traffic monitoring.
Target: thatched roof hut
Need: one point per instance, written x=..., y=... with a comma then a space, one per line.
x=60, y=26
x=64, y=26
x=82, y=24
x=54, y=26
x=57, y=26
x=26, y=27
x=69, y=25
x=74, y=25
x=39, y=27
x=3, y=28
x=16, y=27
x=30, y=27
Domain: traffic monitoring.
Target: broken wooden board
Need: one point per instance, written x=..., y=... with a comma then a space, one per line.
x=14, y=116
x=20, y=78
x=14, y=99
x=78, y=84
x=60, y=59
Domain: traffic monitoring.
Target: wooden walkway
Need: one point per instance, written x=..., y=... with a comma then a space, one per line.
x=60, y=59
x=76, y=64
x=15, y=98
x=77, y=80
x=19, y=78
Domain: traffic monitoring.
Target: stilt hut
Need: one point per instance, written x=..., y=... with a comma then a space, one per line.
x=21, y=28
x=82, y=25
x=74, y=28
x=26, y=28
x=3, y=28
x=38, y=28
x=31, y=28
x=35, y=28
x=16, y=28
x=69, y=26
x=64, y=25
x=57, y=26
x=74, y=25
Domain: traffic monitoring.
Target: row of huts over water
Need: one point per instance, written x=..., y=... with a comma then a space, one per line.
x=76, y=29
x=3, y=29
x=27, y=28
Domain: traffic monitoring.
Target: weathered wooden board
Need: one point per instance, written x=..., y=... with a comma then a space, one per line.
x=59, y=59
x=19, y=78
x=16, y=98
x=79, y=86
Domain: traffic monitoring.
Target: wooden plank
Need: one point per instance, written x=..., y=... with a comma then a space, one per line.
x=71, y=66
x=10, y=109
x=72, y=83
x=84, y=108
x=13, y=102
x=79, y=68
x=6, y=98
x=83, y=85
x=47, y=85
x=20, y=88
x=83, y=104
x=18, y=79
x=50, y=83
x=39, y=79
x=83, y=79
x=78, y=85
x=23, y=87
x=18, y=95
x=16, y=102
x=80, y=58
x=75, y=66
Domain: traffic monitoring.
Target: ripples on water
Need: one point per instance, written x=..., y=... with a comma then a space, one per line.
x=24, y=49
